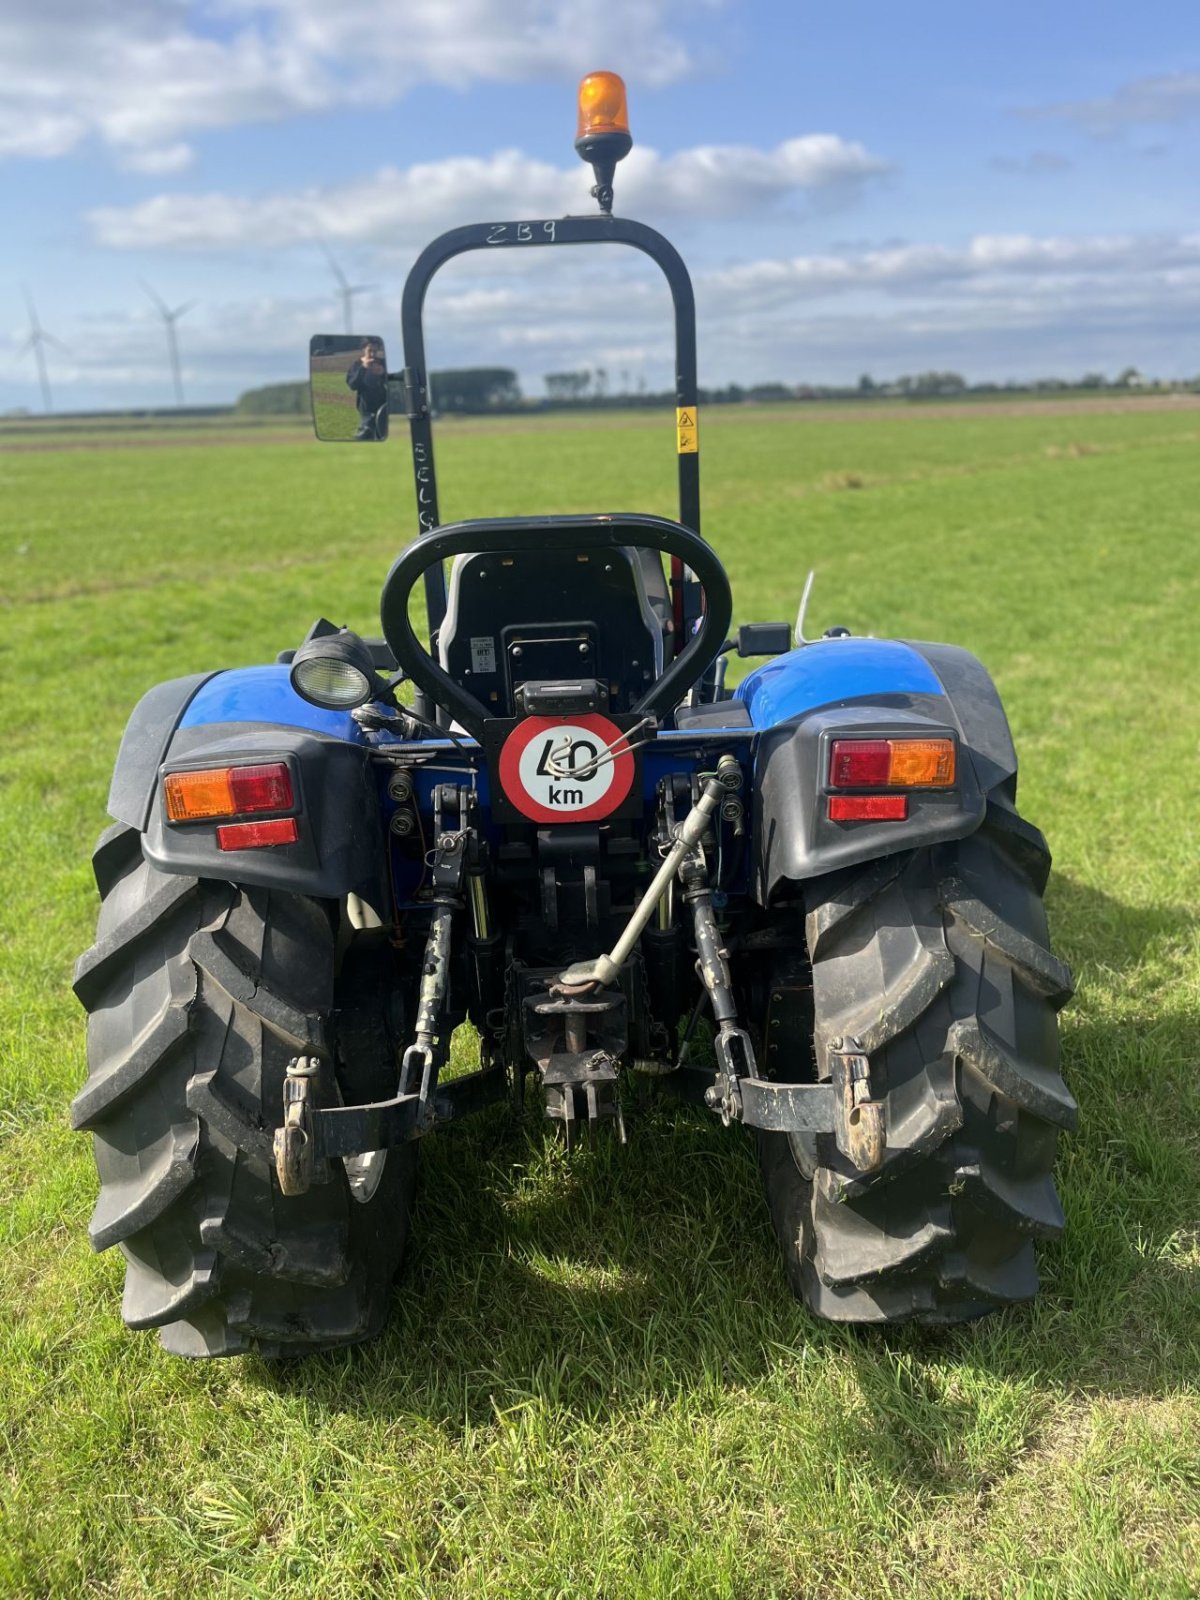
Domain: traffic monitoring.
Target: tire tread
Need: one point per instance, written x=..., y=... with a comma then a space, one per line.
x=198, y=994
x=938, y=962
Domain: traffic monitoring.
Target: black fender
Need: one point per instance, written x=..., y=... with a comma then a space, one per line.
x=794, y=839
x=976, y=703
x=147, y=736
x=342, y=848
x=252, y=715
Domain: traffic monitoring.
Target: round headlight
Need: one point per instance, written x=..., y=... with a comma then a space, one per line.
x=328, y=681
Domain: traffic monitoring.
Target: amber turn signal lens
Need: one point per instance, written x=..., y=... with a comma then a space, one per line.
x=923, y=763
x=192, y=796
x=602, y=106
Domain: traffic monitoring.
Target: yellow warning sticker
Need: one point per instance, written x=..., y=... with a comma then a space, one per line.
x=687, y=430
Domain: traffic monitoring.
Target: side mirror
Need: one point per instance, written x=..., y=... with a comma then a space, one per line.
x=348, y=380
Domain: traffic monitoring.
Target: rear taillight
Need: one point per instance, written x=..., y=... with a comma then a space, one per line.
x=891, y=764
x=265, y=788
x=213, y=792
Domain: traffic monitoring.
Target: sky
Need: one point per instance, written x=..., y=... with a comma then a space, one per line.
x=1003, y=188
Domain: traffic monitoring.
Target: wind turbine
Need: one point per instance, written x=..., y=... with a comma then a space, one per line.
x=170, y=318
x=346, y=289
x=37, y=341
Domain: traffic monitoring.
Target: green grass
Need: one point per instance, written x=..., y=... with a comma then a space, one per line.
x=595, y=1382
x=334, y=405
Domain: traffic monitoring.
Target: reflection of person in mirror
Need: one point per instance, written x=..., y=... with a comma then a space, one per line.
x=368, y=378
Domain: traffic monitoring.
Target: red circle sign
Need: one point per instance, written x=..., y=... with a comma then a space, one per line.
x=559, y=769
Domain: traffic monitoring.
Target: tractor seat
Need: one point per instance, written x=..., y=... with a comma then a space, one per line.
x=538, y=615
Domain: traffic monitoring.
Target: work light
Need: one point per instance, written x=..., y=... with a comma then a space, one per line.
x=336, y=671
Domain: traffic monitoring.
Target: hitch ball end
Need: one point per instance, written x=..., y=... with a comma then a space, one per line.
x=599, y=972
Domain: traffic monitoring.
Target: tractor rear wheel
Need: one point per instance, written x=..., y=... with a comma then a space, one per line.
x=198, y=995
x=938, y=963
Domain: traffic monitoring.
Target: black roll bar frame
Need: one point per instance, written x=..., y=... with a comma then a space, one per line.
x=415, y=376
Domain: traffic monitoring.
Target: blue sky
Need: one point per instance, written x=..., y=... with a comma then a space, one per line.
x=1003, y=189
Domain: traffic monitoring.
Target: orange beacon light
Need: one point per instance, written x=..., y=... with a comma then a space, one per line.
x=602, y=137
x=602, y=107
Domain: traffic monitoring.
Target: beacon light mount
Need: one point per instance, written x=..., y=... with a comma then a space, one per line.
x=602, y=137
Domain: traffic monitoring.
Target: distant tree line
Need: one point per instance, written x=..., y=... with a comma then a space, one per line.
x=275, y=400
x=460, y=389
x=588, y=387
x=473, y=391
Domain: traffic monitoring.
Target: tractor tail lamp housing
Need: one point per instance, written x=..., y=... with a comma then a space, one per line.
x=892, y=764
x=206, y=793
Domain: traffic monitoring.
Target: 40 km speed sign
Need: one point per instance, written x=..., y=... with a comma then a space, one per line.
x=566, y=769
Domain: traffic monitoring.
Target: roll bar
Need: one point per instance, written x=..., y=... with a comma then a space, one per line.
x=521, y=236
x=503, y=534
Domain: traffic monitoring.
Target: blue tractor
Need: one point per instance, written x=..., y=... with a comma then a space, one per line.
x=566, y=833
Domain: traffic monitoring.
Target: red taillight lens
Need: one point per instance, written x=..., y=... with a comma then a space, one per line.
x=228, y=791
x=891, y=763
x=265, y=788
x=868, y=807
x=859, y=763
x=257, y=835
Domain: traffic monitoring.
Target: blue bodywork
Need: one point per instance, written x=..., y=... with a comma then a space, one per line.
x=779, y=721
x=831, y=671
x=264, y=694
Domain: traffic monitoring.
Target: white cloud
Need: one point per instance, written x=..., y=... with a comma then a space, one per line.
x=395, y=205
x=1165, y=98
x=161, y=159
x=140, y=74
x=988, y=261
x=999, y=306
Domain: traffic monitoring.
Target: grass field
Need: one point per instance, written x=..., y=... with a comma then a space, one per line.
x=595, y=1382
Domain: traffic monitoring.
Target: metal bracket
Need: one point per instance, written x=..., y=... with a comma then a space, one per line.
x=594, y=1077
x=383, y=1124
x=414, y=393
x=860, y=1129
x=787, y=1107
x=449, y=864
x=774, y=1107
x=735, y=1063
x=293, y=1144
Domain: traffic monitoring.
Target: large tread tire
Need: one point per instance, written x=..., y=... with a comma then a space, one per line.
x=198, y=994
x=938, y=962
